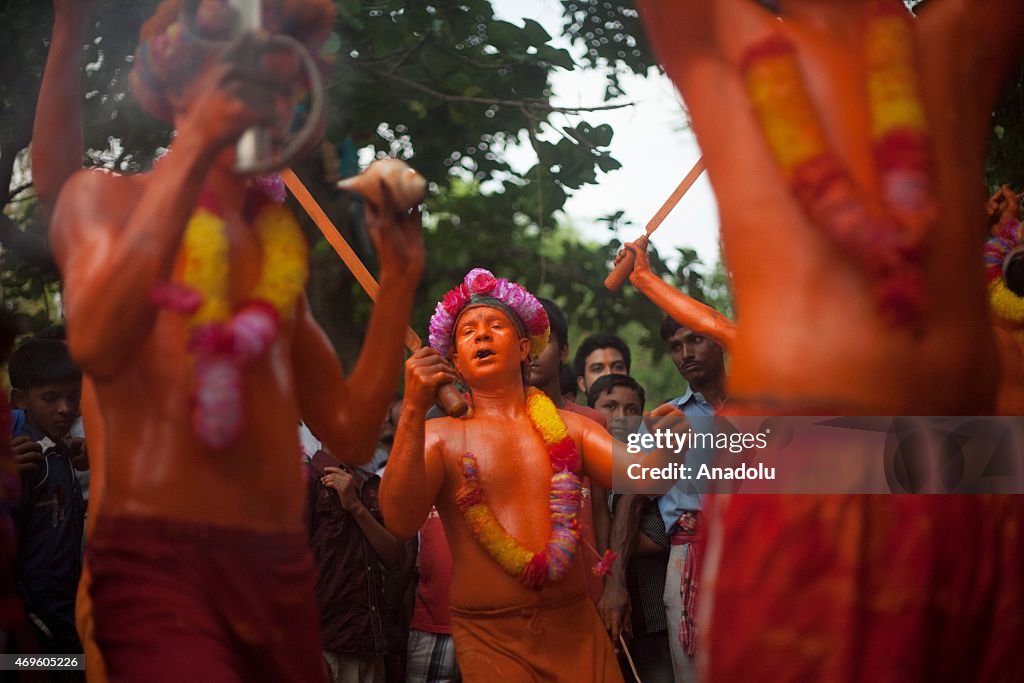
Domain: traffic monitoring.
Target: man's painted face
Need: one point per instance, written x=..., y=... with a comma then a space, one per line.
x=606, y=361
x=487, y=343
x=698, y=358
x=546, y=365
x=52, y=408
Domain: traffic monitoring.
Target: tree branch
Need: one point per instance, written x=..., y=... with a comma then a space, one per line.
x=529, y=103
x=17, y=190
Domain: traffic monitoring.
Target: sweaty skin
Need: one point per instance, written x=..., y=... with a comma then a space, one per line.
x=115, y=237
x=811, y=333
x=834, y=587
x=514, y=463
x=685, y=310
x=57, y=145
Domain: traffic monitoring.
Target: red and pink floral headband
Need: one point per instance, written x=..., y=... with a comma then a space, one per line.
x=482, y=283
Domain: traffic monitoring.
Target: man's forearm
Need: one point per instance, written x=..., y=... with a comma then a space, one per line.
x=625, y=527
x=686, y=310
x=57, y=145
x=405, y=496
x=382, y=541
x=376, y=368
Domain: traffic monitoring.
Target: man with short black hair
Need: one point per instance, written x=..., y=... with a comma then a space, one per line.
x=617, y=396
x=600, y=354
x=50, y=516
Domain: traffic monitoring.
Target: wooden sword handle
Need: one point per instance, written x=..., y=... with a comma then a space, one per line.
x=452, y=400
x=623, y=268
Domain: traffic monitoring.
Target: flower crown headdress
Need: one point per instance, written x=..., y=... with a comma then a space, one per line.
x=482, y=283
x=1005, y=245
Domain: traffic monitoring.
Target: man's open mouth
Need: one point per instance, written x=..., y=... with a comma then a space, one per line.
x=483, y=353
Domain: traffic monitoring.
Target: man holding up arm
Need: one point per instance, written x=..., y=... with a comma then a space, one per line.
x=506, y=482
x=186, y=313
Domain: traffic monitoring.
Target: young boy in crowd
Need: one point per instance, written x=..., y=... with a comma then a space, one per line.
x=50, y=516
x=617, y=398
x=632, y=602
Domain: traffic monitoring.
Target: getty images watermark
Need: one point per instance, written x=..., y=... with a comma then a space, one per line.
x=816, y=455
x=678, y=444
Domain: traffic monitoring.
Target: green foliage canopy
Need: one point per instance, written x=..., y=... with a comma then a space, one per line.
x=445, y=84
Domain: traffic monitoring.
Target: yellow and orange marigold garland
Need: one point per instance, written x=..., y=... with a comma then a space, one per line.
x=889, y=246
x=224, y=338
x=552, y=563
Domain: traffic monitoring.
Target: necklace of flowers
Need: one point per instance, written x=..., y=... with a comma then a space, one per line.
x=889, y=245
x=552, y=563
x=224, y=338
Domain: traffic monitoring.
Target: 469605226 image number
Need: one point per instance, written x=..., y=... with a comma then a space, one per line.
x=41, y=663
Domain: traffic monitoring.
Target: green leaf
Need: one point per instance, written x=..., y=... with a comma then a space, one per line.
x=556, y=57
x=503, y=35
x=349, y=11
x=602, y=135
x=535, y=33
x=607, y=164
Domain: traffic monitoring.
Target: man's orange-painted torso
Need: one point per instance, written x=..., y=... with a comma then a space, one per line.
x=809, y=332
x=514, y=465
x=150, y=463
x=516, y=474
x=810, y=340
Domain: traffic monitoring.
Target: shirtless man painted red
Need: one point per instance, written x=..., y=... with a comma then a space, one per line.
x=185, y=310
x=846, y=142
x=507, y=484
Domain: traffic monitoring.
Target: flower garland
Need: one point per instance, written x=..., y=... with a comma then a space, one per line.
x=1008, y=241
x=223, y=338
x=889, y=246
x=482, y=282
x=552, y=563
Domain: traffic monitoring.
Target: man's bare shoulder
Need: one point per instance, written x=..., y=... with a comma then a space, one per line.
x=574, y=422
x=95, y=193
x=92, y=204
x=93, y=185
x=441, y=429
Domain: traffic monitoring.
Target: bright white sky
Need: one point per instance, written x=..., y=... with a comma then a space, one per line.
x=651, y=141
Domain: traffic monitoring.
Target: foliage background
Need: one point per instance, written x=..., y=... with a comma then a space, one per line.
x=444, y=84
